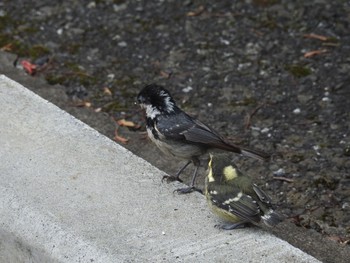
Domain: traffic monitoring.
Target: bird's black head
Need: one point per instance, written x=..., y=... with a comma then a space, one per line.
x=156, y=100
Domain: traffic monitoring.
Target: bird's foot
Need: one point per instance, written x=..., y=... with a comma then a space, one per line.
x=171, y=178
x=231, y=226
x=187, y=190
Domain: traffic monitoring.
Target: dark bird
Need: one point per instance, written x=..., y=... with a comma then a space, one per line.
x=235, y=198
x=180, y=135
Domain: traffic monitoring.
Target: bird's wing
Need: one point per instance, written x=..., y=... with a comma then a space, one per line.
x=183, y=127
x=202, y=133
x=240, y=204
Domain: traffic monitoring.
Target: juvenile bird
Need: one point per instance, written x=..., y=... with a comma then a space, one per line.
x=179, y=135
x=234, y=197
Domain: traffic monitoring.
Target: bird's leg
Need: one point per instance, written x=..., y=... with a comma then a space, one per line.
x=191, y=188
x=172, y=178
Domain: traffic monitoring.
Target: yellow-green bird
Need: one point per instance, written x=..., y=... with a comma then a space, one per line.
x=234, y=197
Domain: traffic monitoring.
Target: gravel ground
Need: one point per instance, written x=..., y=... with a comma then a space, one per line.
x=271, y=74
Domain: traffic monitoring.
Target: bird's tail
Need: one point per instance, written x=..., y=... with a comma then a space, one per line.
x=272, y=218
x=224, y=144
x=255, y=154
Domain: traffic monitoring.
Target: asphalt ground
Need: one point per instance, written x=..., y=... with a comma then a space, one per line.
x=268, y=74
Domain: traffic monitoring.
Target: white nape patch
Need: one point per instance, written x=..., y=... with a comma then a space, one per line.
x=230, y=173
x=235, y=199
x=163, y=93
x=169, y=106
x=151, y=111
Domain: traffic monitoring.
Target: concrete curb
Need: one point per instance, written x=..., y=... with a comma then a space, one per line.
x=69, y=194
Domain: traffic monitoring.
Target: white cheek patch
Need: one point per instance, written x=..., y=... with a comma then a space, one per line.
x=151, y=112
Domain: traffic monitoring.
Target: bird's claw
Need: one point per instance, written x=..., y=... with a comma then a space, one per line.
x=171, y=178
x=187, y=190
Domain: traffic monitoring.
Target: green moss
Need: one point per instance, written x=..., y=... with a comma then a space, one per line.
x=268, y=22
x=76, y=74
x=147, y=25
x=113, y=106
x=125, y=81
x=245, y=102
x=38, y=51
x=15, y=46
x=54, y=79
x=347, y=151
x=327, y=182
x=265, y=3
x=6, y=21
x=30, y=30
x=73, y=66
x=71, y=77
x=72, y=48
x=296, y=158
x=86, y=80
x=332, y=39
x=298, y=71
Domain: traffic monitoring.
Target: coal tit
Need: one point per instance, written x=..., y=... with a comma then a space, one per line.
x=234, y=197
x=177, y=134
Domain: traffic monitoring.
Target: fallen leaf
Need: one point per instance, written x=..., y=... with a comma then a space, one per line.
x=107, y=91
x=125, y=123
x=7, y=47
x=28, y=67
x=339, y=239
x=118, y=138
x=315, y=36
x=165, y=74
x=85, y=104
x=314, y=53
x=121, y=139
x=197, y=12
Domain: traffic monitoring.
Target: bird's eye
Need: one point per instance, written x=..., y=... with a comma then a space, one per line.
x=140, y=99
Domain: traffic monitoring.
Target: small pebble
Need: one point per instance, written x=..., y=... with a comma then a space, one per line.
x=279, y=172
x=187, y=89
x=297, y=111
x=265, y=130
x=122, y=44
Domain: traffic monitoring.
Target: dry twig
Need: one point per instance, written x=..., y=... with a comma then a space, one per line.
x=315, y=36
x=289, y=180
x=250, y=116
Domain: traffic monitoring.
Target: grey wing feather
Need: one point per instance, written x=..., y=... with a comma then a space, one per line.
x=183, y=127
x=261, y=194
x=245, y=208
x=201, y=133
